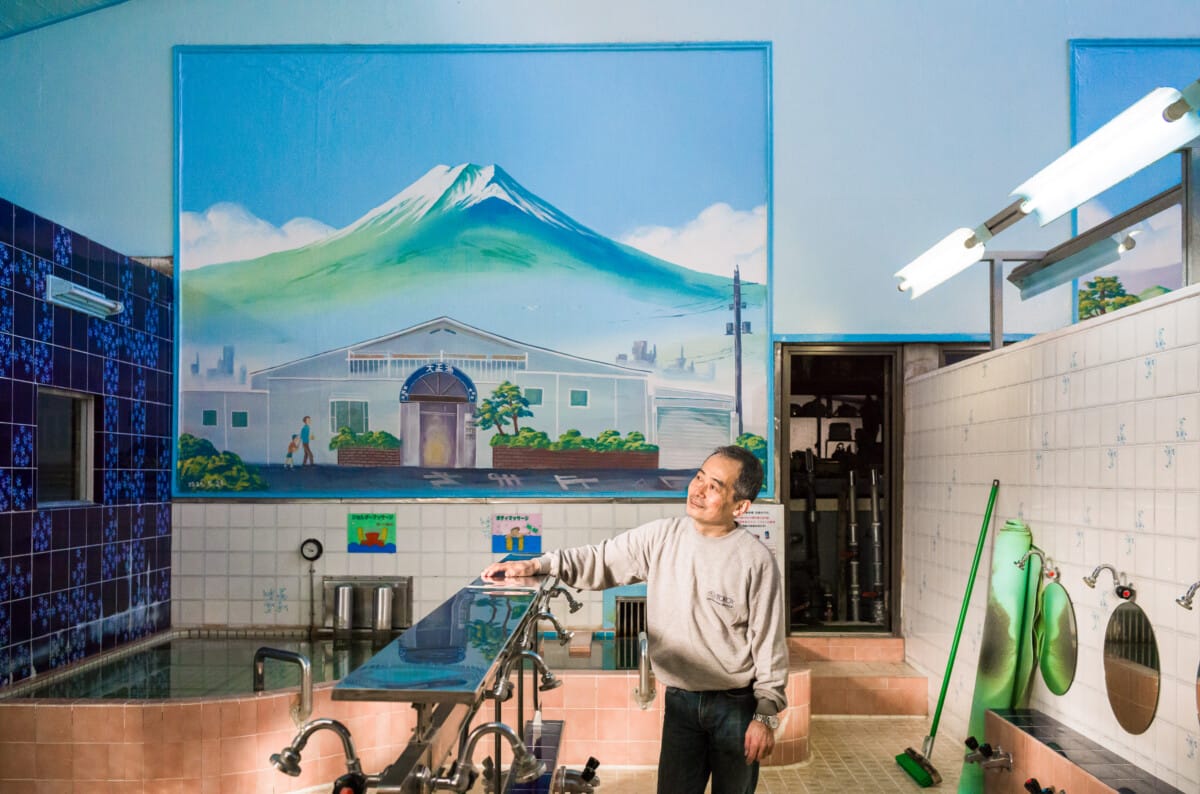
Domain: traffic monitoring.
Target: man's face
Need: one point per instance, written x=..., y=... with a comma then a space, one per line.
x=710, y=494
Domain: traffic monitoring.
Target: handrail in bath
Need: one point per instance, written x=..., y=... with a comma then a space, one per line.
x=303, y=711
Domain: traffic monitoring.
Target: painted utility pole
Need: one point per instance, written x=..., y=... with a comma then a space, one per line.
x=736, y=329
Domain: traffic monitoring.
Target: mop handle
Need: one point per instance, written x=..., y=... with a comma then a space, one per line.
x=962, y=613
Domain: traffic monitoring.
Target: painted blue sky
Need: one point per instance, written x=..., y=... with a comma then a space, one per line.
x=618, y=138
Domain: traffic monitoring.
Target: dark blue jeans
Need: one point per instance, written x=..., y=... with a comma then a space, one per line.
x=705, y=733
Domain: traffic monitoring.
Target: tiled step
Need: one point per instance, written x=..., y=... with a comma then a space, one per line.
x=846, y=648
x=868, y=688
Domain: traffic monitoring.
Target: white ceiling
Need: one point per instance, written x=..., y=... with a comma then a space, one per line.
x=20, y=16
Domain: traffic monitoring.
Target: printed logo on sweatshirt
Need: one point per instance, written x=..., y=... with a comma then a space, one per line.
x=717, y=598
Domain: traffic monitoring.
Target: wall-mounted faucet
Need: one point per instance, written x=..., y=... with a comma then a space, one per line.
x=1185, y=600
x=1049, y=569
x=1123, y=588
x=462, y=774
x=503, y=688
x=287, y=760
x=1034, y=787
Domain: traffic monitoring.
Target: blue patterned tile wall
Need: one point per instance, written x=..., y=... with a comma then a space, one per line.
x=80, y=579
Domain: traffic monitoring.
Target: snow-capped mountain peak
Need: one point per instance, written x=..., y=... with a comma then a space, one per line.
x=447, y=188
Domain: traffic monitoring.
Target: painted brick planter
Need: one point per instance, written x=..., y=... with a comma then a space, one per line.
x=369, y=456
x=529, y=458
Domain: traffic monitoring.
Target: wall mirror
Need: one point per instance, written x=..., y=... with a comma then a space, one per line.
x=1060, y=642
x=1131, y=668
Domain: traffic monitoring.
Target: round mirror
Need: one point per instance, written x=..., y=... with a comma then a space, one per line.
x=1060, y=643
x=1131, y=667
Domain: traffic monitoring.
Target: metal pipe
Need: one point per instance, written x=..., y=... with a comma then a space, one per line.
x=303, y=710
x=877, y=613
x=855, y=594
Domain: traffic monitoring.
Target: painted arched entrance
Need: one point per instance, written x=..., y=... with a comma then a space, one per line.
x=437, y=418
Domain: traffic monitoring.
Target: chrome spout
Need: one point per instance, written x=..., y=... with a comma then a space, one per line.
x=1185, y=600
x=463, y=774
x=287, y=760
x=303, y=710
x=1049, y=569
x=564, y=636
x=573, y=604
x=503, y=689
x=1090, y=581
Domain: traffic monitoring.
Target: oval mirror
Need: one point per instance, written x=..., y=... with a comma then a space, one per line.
x=1131, y=667
x=1060, y=642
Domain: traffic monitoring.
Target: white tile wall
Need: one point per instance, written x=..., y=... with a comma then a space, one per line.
x=238, y=564
x=1094, y=434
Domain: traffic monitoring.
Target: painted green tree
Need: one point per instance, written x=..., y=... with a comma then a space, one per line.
x=1102, y=295
x=505, y=404
x=754, y=443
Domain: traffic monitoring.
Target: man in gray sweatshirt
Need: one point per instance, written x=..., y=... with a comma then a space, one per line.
x=714, y=620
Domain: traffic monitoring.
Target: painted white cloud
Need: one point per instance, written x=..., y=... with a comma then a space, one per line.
x=712, y=242
x=228, y=232
x=1157, y=238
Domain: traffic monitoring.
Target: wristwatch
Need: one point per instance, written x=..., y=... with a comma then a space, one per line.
x=770, y=720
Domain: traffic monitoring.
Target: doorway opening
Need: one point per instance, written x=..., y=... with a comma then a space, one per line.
x=840, y=467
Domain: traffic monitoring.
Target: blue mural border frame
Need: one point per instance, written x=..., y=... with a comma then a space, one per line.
x=181, y=51
x=1074, y=48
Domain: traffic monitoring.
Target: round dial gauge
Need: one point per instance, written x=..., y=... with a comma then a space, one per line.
x=311, y=549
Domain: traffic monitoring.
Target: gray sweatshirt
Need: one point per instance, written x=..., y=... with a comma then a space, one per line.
x=713, y=605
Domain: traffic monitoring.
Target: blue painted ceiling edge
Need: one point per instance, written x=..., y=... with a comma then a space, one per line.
x=22, y=16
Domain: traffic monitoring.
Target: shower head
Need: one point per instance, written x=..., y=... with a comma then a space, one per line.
x=573, y=604
x=287, y=761
x=1185, y=600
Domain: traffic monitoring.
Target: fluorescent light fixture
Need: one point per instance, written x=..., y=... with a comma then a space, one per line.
x=954, y=254
x=1150, y=129
x=61, y=292
x=1099, y=254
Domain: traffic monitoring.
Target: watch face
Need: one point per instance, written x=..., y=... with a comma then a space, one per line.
x=311, y=549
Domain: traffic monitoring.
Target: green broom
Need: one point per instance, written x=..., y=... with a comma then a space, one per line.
x=917, y=765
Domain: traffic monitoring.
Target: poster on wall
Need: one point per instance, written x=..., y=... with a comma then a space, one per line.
x=470, y=271
x=1145, y=259
x=371, y=533
x=517, y=532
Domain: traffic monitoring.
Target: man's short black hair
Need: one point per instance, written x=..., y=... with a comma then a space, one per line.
x=750, y=479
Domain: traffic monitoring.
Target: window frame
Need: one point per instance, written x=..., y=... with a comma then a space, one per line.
x=233, y=420
x=83, y=490
x=216, y=417
x=334, y=429
x=571, y=398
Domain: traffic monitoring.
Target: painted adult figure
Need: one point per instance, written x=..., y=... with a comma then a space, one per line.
x=714, y=620
x=305, y=437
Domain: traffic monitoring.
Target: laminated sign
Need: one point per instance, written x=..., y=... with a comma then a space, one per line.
x=519, y=532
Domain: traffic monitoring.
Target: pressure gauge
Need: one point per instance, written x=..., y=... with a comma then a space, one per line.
x=311, y=549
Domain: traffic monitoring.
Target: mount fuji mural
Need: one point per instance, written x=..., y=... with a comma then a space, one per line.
x=471, y=242
x=574, y=305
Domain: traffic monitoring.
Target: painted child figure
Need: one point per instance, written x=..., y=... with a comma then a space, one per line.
x=293, y=445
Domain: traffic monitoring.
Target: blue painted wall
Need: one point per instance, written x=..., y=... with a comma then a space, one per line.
x=893, y=122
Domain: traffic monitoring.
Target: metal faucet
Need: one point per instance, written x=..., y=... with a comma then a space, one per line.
x=1001, y=759
x=1090, y=581
x=1185, y=600
x=986, y=756
x=287, y=760
x=564, y=636
x=573, y=604
x=576, y=781
x=503, y=689
x=1049, y=569
x=462, y=775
